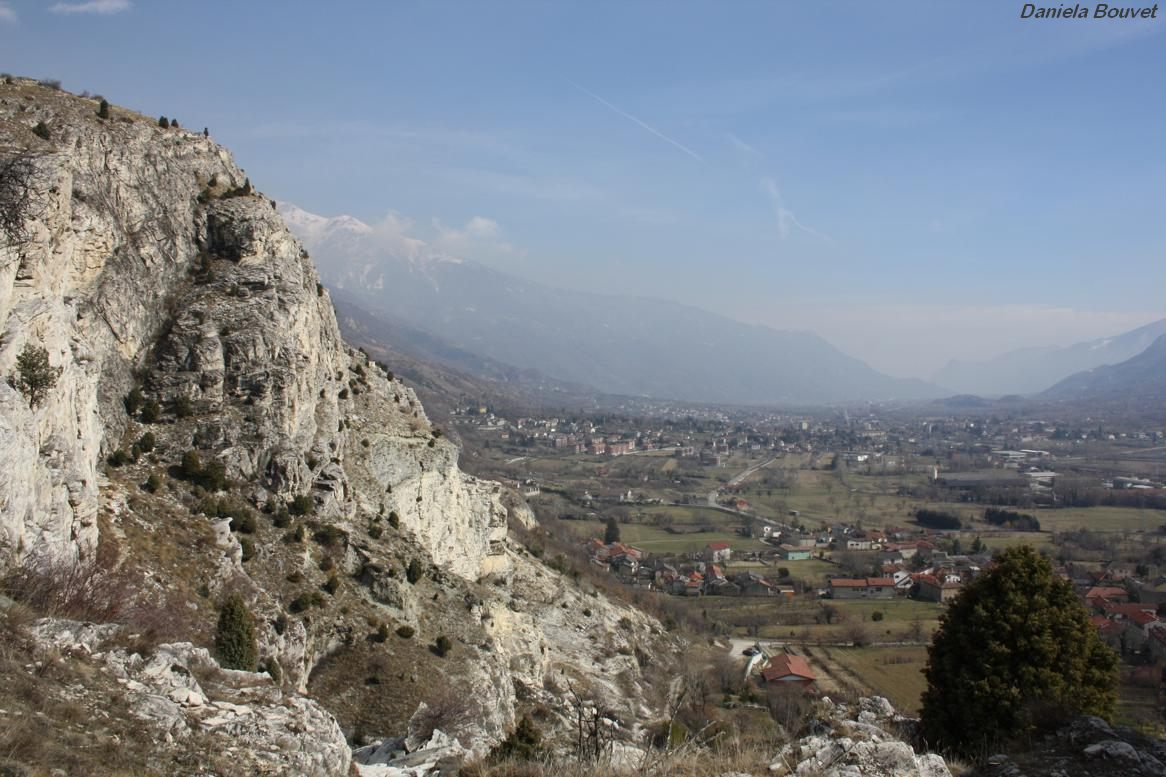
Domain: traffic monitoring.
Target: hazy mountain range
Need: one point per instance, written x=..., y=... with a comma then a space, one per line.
x=614, y=344
x=432, y=306
x=1032, y=370
x=1141, y=377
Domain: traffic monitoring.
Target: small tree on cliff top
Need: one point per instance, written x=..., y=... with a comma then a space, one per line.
x=1014, y=650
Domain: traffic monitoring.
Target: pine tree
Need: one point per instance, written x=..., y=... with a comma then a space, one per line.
x=34, y=377
x=235, y=636
x=1014, y=651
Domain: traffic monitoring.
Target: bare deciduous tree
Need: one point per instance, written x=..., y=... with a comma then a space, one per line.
x=18, y=174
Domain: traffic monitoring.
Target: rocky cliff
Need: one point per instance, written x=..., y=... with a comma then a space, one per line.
x=206, y=431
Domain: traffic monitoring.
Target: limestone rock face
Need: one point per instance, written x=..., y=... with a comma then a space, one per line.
x=179, y=692
x=147, y=262
x=856, y=741
x=175, y=303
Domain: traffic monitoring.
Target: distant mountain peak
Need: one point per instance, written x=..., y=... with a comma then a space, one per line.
x=311, y=227
x=616, y=344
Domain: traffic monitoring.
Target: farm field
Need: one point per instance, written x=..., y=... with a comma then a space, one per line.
x=894, y=672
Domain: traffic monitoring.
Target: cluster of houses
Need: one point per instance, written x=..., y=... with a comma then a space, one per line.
x=698, y=577
x=1133, y=628
x=940, y=581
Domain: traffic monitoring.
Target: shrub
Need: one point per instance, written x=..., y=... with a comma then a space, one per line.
x=146, y=442
x=191, y=466
x=522, y=744
x=163, y=122
x=442, y=645
x=34, y=377
x=244, y=522
x=381, y=634
x=394, y=520
x=133, y=401
x=306, y=601
x=876, y=616
x=375, y=531
x=118, y=458
x=235, y=635
x=302, y=504
x=103, y=109
x=60, y=587
x=413, y=571
x=406, y=632
x=41, y=130
x=329, y=535
x=282, y=518
x=151, y=412
x=153, y=484
x=247, y=545
x=181, y=407
x=1013, y=647
x=332, y=585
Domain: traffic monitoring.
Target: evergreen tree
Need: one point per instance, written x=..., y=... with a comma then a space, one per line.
x=1014, y=650
x=103, y=110
x=235, y=636
x=34, y=377
x=611, y=533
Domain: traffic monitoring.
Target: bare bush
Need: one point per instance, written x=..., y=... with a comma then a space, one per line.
x=445, y=708
x=18, y=175
x=58, y=586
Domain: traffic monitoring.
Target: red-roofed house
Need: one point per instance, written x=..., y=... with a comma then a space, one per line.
x=717, y=552
x=1112, y=594
x=934, y=589
x=861, y=588
x=784, y=668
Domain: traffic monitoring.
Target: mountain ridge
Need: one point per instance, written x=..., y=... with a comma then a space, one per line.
x=1035, y=369
x=618, y=344
x=1140, y=377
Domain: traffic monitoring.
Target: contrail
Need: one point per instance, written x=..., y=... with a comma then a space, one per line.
x=643, y=124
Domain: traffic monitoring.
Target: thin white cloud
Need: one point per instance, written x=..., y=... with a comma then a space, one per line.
x=786, y=220
x=640, y=122
x=481, y=237
x=92, y=6
x=741, y=145
x=7, y=13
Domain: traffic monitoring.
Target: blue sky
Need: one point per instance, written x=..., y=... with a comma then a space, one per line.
x=915, y=181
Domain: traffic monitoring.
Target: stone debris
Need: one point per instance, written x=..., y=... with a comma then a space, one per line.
x=441, y=754
x=180, y=690
x=856, y=741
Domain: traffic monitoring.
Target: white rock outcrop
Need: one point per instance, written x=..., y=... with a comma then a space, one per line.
x=250, y=721
x=856, y=741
